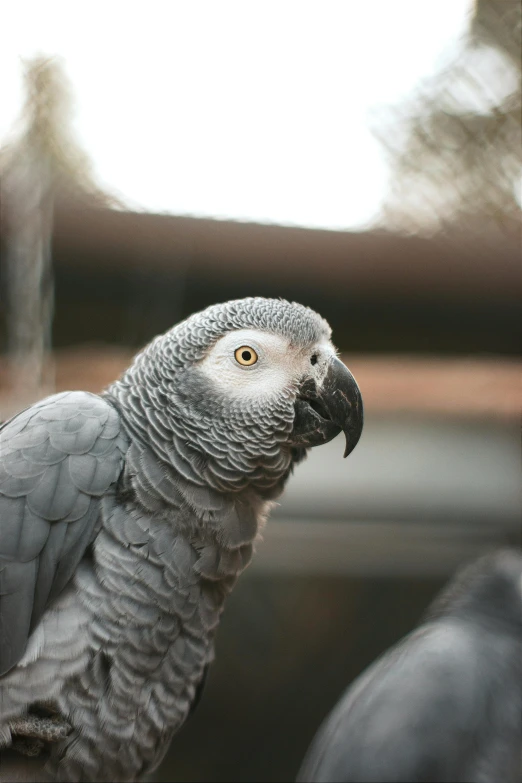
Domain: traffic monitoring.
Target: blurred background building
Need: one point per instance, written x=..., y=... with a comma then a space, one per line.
x=423, y=297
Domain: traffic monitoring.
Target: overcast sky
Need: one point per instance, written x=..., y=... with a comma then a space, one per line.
x=249, y=110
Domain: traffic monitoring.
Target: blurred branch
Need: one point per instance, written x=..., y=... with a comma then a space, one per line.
x=455, y=149
x=45, y=133
x=497, y=23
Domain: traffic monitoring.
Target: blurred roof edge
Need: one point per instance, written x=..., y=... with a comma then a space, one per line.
x=460, y=263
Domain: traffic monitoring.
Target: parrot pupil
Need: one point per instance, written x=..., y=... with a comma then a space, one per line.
x=313, y=360
x=246, y=356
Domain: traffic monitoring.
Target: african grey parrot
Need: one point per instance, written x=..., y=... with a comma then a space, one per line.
x=445, y=704
x=126, y=519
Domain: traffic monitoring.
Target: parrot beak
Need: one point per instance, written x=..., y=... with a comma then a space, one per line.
x=322, y=412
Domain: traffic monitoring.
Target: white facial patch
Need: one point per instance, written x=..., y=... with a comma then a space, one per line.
x=279, y=366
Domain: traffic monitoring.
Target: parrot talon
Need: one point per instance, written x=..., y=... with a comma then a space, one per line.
x=35, y=729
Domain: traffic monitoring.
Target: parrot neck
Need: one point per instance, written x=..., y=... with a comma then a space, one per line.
x=214, y=452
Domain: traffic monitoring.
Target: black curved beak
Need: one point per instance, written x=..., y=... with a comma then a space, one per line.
x=321, y=412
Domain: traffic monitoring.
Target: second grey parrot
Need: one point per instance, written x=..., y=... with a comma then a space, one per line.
x=444, y=705
x=126, y=518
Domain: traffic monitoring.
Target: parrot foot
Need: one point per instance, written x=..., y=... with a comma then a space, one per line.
x=30, y=732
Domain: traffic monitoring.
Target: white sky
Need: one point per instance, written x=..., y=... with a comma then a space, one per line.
x=251, y=109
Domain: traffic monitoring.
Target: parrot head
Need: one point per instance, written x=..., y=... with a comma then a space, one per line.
x=248, y=387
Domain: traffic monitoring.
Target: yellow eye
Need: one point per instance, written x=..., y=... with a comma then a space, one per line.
x=246, y=356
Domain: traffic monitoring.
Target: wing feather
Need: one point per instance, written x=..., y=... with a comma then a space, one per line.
x=57, y=458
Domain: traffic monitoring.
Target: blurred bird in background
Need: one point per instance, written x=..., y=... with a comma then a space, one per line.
x=445, y=704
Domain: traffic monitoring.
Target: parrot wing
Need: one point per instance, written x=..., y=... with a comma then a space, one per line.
x=57, y=458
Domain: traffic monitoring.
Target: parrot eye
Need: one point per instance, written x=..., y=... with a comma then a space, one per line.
x=246, y=356
x=313, y=360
